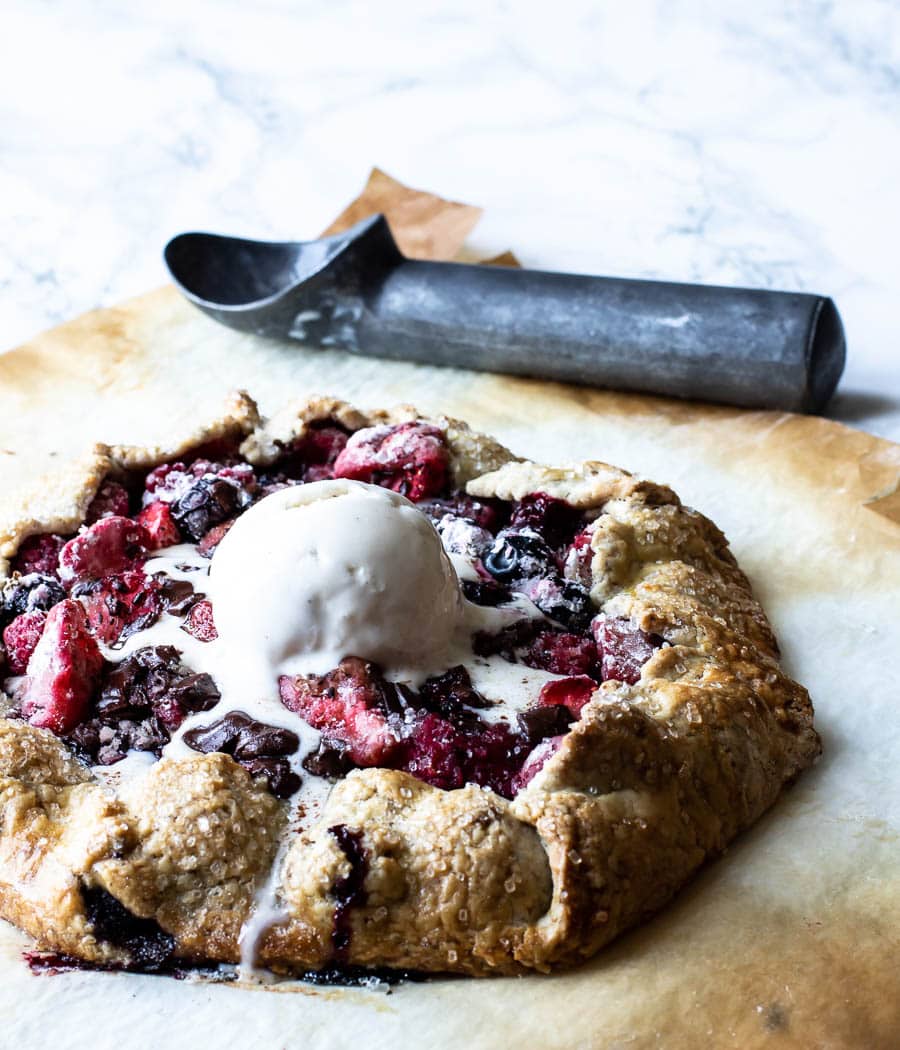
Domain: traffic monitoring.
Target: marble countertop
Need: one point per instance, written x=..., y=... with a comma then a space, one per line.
x=739, y=144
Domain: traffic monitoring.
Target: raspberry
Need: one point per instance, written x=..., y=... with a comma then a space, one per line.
x=39, y=554
x=448, y=757
x=62, y=670
x=411, y=459
x=344, y=704
x=200, y=623
x=554, y=520
x=434, y=753
x=312, y=457
x=111, y=500
x=119, y=605
x=563, y=653
x=572, y=693
x=160, y=525
x=21, y=638
x=536, y=762
x=110, y=545
x=624, y=648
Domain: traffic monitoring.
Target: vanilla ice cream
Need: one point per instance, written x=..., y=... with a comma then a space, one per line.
x=317, y=572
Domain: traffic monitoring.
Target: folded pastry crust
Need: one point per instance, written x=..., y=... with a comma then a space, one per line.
x=654, y=779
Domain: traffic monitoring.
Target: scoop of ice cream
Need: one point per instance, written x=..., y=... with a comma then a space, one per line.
x=317, y=572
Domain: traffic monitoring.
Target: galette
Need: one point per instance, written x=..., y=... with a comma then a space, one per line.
x=367, y=690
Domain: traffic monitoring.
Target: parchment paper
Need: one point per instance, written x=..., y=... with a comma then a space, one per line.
x=792, y=938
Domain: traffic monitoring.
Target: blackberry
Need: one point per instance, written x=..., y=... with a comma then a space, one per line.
x=554, y=520
x=208, y=502
x=148, y=945
x=36, y=591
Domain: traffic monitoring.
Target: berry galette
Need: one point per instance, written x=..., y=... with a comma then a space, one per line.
x=348, y=689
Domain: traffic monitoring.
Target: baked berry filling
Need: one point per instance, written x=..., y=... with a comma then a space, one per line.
x=140, y=703
x=81, y=616
x=412, y=459
x=434, y=733
x=349, y=890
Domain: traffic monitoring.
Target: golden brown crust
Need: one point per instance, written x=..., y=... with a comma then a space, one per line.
x=654, y=778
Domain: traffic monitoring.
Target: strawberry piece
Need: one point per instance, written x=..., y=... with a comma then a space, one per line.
x=572, y=693
x=160, y=525
x=200, y=623
x=111, y=500
x=411, y=458
x=563, y=653
x=118, y=605
x=39, y=554
x=343, y=705
x=312, y=457
x=62, y=671
x=21, y=637
x=623, y=648
x=111, y=545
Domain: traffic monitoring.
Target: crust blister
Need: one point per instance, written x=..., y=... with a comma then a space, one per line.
x=654, y=779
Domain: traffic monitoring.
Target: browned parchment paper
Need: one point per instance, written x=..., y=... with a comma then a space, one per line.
x=788, y=941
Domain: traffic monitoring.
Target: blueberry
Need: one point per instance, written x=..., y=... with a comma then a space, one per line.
x=518, y=556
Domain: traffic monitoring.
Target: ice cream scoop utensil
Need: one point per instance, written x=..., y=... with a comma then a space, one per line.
x=355, y=291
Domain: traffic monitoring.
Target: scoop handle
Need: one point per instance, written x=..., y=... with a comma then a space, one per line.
x=747, y=347
x=356, y=291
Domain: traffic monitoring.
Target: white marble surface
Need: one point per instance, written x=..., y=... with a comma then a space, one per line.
x=734, y=143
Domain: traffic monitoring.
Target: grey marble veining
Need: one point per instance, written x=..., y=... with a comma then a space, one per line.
x=730, y=143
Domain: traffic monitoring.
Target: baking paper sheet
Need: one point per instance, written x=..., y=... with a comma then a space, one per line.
x=791, y=939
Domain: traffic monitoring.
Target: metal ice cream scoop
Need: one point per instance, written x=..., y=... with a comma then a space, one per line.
x=355, y=291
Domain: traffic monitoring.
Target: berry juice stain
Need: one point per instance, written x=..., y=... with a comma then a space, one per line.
x=348, y=891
